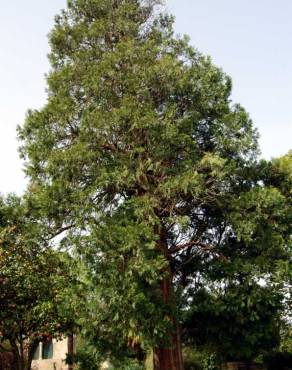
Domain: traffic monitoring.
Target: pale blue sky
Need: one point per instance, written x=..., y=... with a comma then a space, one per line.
x=249, y=39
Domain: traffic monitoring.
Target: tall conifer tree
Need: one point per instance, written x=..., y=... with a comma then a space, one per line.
x=139, y=155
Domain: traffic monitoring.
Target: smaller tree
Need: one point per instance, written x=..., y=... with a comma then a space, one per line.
x=34, y=284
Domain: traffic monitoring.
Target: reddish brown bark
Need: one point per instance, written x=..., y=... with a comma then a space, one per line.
x=168, y=357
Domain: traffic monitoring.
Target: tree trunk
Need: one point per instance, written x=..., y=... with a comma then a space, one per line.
x=30, y=352
x=16, y=355
x=22, y=355
x=28, y=364
x=169, y=357
x=70, y=350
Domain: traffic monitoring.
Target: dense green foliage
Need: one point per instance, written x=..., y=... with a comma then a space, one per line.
x=240, y=305
x=237, y=324
x=34, y=284
x=141, y=157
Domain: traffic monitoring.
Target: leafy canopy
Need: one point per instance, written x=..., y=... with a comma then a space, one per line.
x=34, y=283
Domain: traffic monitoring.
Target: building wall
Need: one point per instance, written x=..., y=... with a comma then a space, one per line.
x=60, y=349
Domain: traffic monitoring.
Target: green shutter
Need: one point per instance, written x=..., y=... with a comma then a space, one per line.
x=47, y=351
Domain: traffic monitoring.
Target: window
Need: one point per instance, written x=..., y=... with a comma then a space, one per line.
x=47, y=351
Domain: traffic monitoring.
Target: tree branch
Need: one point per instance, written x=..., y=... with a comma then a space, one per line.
x=180, y=247
x=60, y=231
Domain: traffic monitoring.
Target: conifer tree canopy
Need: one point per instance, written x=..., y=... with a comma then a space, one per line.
x=141, y=156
